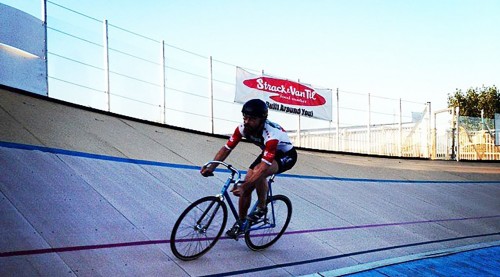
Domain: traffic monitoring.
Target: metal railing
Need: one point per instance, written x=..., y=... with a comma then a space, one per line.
x=98, y=64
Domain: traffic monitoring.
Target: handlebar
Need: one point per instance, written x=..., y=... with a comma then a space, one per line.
x=228, y=166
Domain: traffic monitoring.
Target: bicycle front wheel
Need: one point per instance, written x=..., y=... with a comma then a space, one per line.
x=198, y=228
x=267, y=231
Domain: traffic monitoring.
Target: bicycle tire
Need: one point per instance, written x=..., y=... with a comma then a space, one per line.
x=258, y=239
x=190, y=237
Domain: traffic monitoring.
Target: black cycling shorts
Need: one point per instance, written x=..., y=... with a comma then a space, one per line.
x=285, y=160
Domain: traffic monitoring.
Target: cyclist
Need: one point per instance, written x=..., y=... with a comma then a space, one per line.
x=278, y=155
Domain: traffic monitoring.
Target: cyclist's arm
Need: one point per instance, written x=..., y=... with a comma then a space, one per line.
x=221, y=155
x=262, y=169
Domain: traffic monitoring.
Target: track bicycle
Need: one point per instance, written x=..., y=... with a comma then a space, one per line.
x=202, y=223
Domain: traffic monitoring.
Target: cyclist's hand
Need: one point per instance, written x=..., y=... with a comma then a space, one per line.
x=207, y=172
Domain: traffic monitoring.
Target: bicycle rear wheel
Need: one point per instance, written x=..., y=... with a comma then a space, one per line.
x=267, y=231
x=198, y=228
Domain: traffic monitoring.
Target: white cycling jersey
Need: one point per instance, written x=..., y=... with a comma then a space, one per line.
x=273, y=138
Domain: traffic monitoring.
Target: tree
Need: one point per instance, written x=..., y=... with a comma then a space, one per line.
x=472, y=101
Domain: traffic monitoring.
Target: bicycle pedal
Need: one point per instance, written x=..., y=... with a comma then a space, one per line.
x=234, y=234
x=236, y=238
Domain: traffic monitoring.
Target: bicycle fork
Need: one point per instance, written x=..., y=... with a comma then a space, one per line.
x=202, y=229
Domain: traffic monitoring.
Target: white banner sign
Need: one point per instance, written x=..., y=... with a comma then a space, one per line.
x=284, y=95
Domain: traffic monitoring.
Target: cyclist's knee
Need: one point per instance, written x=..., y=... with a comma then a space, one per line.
x=248, y=192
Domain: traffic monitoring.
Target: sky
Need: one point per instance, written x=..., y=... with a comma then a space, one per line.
x=416, y=50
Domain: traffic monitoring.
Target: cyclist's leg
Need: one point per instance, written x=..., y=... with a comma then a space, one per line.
x=281, y=163
x=244, y=204
x=261, y=186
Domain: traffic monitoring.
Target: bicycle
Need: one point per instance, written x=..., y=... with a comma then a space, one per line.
x=201, y=224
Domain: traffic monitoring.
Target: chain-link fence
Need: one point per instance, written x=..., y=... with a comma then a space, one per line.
x=477, y=139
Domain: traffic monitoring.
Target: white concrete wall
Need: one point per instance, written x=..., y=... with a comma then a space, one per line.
x=23, y=51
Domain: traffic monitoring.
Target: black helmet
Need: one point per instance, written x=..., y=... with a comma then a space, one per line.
x=255, y=107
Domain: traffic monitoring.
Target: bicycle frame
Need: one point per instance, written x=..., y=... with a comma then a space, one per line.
x=193, y=234
x=224, y=195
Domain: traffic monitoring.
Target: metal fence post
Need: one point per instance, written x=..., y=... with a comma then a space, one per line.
x=458, y=133
x=453, y=125
x=434, y=139
x=429, y=129
x=338, y=122
x=211, y=95
x=368, y=126
x=482, y=119
x=163, y=82
x=106, y=63
x=400, y=128
x=298, y=129
x=330, y=133
x=46, y=51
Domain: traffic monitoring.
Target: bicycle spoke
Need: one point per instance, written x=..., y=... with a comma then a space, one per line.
x=198, y=228
x=270, y=229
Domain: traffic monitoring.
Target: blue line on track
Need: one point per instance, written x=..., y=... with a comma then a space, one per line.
x=195, y=167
